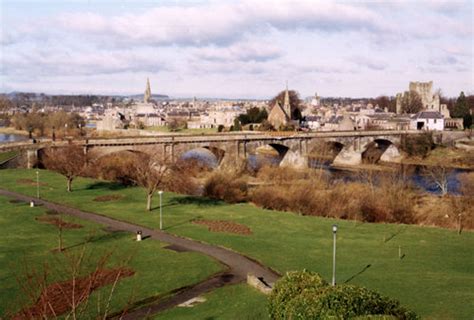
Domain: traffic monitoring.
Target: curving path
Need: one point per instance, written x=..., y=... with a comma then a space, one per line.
x=238, y=265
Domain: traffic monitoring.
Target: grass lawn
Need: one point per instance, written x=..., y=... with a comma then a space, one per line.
x=26, y=244
x=224, y=304
x=4, y=156
x=435, y=277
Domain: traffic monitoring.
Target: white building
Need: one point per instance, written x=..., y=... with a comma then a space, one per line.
x=220, y=115
x=427, y=120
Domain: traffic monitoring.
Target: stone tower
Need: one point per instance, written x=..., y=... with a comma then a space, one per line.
x=147, y=96
x=286, y=103
x=430, y=101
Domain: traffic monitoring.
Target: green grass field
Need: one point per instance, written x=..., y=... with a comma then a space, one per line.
x=26, y=245
x=227, y=303
x=435, y=277
x=4, y=156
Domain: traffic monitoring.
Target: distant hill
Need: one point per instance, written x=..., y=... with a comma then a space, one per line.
x=153, y=96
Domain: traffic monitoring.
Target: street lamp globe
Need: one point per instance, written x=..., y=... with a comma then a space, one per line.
x=334, y=228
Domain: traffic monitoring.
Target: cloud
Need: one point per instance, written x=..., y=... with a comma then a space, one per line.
x=74, y=62
x=368, y=62
x=242, y=51
x=445, y=60
x=220, y=24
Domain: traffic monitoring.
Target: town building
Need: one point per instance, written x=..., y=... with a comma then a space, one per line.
x=280, y=115
x=427, y=120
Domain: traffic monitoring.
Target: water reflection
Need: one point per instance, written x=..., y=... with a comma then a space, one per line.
x=203, y=156
x=8, y=137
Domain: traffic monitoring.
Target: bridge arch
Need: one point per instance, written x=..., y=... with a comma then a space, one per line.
x=206, y=155
x=280, y=148
x=374, y=150
x=323, y=152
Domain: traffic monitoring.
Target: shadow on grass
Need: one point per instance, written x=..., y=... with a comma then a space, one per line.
x=106, y=185
x=109, y=236
x=199, y=201
x=358, y=273
x=393, y=235
x=183, y=222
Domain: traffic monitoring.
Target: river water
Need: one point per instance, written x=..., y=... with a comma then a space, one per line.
x=414, y=173
x=8, y=137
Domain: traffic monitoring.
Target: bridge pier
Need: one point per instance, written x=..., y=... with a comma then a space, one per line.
x=349, y=156
x=391, y=155
x=168, y=152
x=295, y=160
x=32, y=158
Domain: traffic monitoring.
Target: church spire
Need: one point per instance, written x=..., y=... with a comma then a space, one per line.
x=286, y=103
x=147, y=96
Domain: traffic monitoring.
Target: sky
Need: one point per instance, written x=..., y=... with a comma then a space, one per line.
x=235, y=49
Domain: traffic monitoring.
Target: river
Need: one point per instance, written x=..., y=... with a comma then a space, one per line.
x=414, y=173
x=9, y=137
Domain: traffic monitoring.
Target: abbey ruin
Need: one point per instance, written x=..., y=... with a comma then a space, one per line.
x=430, y=101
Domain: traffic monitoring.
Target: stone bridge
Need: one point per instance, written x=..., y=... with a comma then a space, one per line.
x=345, y=147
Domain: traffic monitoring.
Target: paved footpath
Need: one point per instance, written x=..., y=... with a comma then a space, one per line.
x=238, y=265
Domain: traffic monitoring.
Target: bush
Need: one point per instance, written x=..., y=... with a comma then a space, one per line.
x=418, y=145
x=290, y=286
x=305, y=295
x=227, y=187
x=343, y=302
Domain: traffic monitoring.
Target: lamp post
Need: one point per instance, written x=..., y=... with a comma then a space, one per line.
x=161, y=211
x=334, y=231
x=37, y=185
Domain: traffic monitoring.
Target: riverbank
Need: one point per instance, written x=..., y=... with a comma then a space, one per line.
x=10, y=130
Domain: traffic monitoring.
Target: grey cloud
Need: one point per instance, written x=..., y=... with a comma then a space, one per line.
x=444, y=60
x=369, y=62
x=221, y=24
x=53, y=61
x=257, y=51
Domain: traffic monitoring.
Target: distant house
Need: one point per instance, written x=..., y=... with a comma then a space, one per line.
x=427, y=120
x=312, y=122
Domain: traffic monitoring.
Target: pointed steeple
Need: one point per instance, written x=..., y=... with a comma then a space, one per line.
x=147, y=96
x=286, y=103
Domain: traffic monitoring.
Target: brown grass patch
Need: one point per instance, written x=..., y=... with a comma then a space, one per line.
x=56, y=299
x=58, y=222
x=225, y=226
x=108, y=197
x=31, y=182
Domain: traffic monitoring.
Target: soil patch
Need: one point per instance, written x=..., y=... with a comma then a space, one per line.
x=56, y=299
x=31, y=182
x=58, y=222
x=108, y=197
x=225, y=226
x=16, y=201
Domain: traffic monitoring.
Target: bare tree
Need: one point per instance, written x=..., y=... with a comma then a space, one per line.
x=463, y=204
x=69, y=299
x=150, y=173
x=438, y=175
x=69, y=161
x=411, y=102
